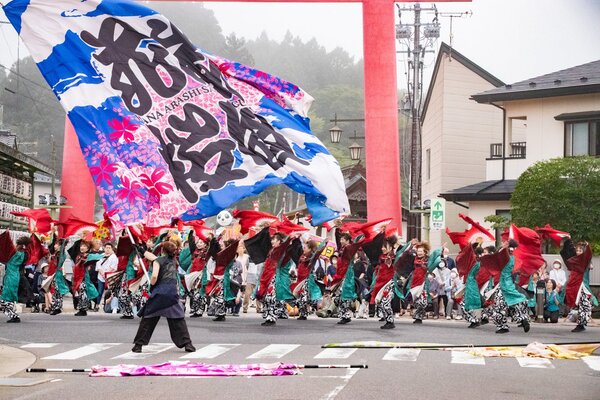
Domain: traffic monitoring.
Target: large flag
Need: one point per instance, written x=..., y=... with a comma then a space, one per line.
x=528, y=255
x=166, y=129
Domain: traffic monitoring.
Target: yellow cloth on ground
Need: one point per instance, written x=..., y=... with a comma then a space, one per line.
x=536, y=349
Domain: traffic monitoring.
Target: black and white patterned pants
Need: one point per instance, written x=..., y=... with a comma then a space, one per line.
x=385, y=303
x=420, y=305
x=125, y=301
x=10, y=309
x=219, y=300
x=584, y=309
x=83, y=302
x=57, y=299
x=344, y=308
x=197, y=302
x=501, y=311
x=270, y=304
x=469, y=315
x=302, y=300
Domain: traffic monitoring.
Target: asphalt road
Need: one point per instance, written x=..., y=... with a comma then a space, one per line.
x=66, y=341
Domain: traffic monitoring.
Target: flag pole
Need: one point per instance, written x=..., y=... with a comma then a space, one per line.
x=141, y=257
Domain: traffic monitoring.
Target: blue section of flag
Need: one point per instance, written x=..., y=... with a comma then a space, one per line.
x=14, y=10
x=69, y=65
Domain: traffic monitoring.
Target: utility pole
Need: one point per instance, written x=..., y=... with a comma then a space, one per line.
x=416, y=49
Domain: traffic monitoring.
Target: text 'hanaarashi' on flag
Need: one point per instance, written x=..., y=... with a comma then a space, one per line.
x=166, y=129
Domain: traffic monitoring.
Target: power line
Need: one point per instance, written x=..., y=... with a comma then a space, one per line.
x=25, y=78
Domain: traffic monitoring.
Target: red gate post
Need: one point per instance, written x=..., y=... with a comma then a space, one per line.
x=77, y=184
x=382, y=147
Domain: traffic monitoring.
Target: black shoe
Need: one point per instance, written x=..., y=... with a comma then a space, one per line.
x=195, y=315
x=417, y=321
x=136, y=348
x=474, y=324
x=388, y=325
x=55, y=312
x=344, y=321
x=219, y=318
x=81, y=313
x=381, y=319
x=520, y=324
x=526, y=326
x=484, y=322
x=578, y=328
x=126, y=317
x=268, y=323
x=301, y=318
x=503, y=330
x=190, y=348
x=14, y=320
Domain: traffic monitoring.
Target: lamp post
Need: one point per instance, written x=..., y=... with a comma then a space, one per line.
x=335, y=134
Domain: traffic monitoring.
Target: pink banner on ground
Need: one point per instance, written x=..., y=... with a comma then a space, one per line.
x=188, y=368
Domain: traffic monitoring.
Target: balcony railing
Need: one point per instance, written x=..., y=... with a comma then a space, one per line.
x=517, y=150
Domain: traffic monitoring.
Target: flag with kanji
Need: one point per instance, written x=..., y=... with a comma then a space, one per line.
x=168, y=130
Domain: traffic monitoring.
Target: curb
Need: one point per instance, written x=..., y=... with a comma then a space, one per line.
x=14, y=360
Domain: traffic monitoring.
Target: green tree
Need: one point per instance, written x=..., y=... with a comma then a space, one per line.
x=562, y=192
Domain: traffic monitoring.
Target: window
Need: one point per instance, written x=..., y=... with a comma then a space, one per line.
x=428, y=164
x=582, y=138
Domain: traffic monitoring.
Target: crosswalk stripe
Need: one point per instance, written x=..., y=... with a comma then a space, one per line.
x=463, y=357
x=530, y=362
x=211, y=351
x=402, y=354
x=335, y=353
x=593, y=362
x=82, y=351
x=38, y=345
x=274, y=351
x=147, y=351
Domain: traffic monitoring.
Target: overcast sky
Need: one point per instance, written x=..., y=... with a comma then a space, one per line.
x=512, y=39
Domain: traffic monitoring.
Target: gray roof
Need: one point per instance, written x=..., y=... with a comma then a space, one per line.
x=483, y=191
x=581, y=79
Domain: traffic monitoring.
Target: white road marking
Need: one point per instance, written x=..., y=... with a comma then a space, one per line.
x=463, y=357
x=82, y=351
x=402, y=354
x=38, y=345
x=211, y=351
x=593, y=362
x=335, y=353
x=339, y=388
x=531, y=362
x=274, y=351
x=147, y=351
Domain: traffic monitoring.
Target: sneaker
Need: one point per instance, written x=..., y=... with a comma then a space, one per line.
x=526, y=326
x=55, y=312
x=474, y=325
x=245, y=311
x=484, y=321
x=268, y=323
x=219, y=318
x=417, y=321
x=448, y=317
x=126, y=317
x=136, y=348
x=195, y=315
x=189, y=348
x=81, y=313
x=388, y=325
x=503, y=330
x=578, y=328
x=14, y=320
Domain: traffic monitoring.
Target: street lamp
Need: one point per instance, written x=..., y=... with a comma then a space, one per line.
x=335, y=134
x=355, y=151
